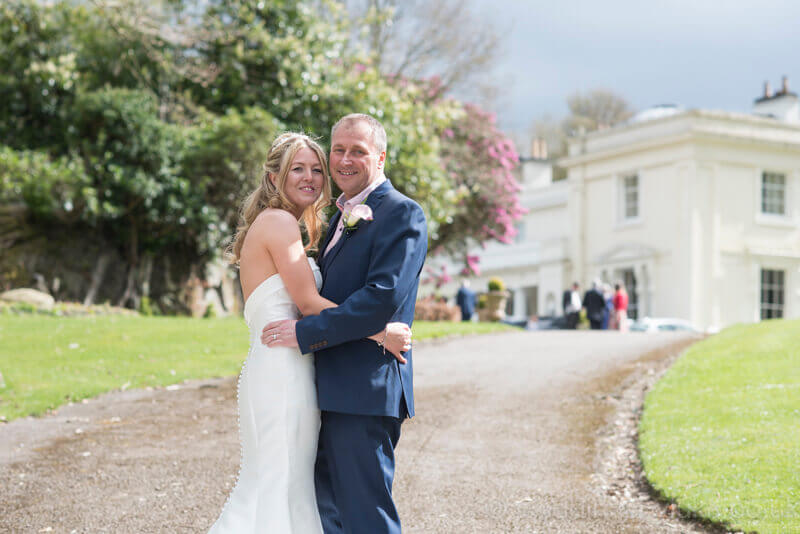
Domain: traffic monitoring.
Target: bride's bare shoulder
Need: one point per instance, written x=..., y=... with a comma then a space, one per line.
x=275, y=220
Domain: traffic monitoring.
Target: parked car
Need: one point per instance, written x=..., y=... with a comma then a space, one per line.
x=662, y=324
x=547, y=323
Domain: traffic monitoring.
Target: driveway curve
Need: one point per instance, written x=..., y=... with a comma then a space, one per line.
x=506, y=439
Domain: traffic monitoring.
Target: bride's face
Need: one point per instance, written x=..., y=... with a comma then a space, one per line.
x=304, y=181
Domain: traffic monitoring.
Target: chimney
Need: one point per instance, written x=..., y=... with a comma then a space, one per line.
x=538, y=148
x=783, y=105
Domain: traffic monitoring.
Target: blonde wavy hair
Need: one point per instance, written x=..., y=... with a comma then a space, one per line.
x=269, y=195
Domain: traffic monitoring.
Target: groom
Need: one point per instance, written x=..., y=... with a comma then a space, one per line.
x=370, y=262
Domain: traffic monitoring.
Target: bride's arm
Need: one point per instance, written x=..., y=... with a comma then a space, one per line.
x=285, y=245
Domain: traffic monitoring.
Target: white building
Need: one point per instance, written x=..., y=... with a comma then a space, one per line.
x=697, y=211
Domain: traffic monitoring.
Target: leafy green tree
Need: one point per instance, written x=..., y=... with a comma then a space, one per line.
x=279, y=55
x=139, y=127
x=47, y=187
x=224, y=158
x=37, y=73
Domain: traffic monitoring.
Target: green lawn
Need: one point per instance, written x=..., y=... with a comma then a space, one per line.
x=47, y=361
x=720, y=433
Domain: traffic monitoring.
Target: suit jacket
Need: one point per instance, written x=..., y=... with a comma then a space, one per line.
x=372, y=274
x=595, y=305
x=566, y=298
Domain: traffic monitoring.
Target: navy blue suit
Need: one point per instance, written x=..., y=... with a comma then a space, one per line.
x=372, y=274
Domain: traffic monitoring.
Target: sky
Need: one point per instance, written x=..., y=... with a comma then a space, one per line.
x=697, y=54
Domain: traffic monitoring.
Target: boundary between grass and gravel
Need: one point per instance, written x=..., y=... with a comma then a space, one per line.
x=718, y=433
x=46, y=361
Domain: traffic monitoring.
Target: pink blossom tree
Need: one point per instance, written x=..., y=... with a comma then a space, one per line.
x=479, y=159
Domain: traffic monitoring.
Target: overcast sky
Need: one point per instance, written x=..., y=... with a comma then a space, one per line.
x=695, y=53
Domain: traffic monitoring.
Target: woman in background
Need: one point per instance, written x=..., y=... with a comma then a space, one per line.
x=621, y=307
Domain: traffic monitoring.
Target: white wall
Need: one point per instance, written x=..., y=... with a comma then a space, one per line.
x=700, y=231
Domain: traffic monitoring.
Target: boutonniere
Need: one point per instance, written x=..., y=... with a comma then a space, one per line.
x=352, y=220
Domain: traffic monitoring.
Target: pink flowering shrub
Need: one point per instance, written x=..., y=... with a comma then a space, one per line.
x=479, y=159
x=440, y=278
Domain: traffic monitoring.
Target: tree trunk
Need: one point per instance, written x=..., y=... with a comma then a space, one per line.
x=130, y=293
x=130, y=289
x=145, y=274
x=98, y=274
x=169, y=284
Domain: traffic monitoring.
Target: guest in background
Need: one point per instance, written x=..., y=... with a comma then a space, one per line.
x=572, y=305
x=621, y=307
x=465, y=298
x=608, y=310
x=595, y=305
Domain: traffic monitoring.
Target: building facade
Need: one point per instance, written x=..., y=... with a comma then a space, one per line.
x=697, y=212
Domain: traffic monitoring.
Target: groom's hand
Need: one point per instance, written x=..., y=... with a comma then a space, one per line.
x=279, y=334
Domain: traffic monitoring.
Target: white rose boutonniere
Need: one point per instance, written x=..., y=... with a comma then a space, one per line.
x=359, y=213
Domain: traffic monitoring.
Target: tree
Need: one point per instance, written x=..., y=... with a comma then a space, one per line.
x=130, y=133
x=224, y=157
x=480, y=161
x=594, y=110
x=37, y=73
x=444, y=39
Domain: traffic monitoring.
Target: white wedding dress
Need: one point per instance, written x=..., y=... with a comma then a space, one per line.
x=278, y=427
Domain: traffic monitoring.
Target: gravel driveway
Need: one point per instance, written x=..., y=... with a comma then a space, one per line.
x=514, y=433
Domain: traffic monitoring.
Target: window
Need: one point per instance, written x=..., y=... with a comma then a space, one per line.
x=630, y=197
x=772, y=294
x=773, y=193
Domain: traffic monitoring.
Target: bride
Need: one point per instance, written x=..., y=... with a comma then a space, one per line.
x=278, y=414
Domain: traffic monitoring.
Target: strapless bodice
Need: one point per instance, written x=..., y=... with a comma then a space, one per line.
x=270, y=301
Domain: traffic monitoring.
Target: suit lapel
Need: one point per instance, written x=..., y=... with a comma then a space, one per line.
x=376, y=197
x=373, y=201
x=328, y=258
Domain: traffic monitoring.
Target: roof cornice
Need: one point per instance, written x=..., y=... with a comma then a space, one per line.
x=697, y=127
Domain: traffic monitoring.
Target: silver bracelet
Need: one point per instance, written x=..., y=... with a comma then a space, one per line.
x=382, y=341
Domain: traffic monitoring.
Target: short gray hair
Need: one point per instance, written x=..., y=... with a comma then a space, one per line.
x=378, y=132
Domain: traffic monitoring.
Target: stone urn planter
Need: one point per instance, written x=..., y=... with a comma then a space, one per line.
x=495, y=309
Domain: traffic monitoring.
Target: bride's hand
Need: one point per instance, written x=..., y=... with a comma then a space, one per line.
x=397, y=340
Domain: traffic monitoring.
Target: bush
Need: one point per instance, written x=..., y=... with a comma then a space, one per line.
x=496, y=284
x=148, y=308
x=432, y=309
x=482, y=300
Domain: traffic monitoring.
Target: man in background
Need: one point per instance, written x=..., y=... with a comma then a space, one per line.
x=572, y=303
x=465, y=298
x=595, y=305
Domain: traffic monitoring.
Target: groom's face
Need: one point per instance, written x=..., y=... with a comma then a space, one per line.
x=355, y=162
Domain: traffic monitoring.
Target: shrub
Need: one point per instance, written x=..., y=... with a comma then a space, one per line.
x=496, y=284
x=148, y=308
x=432, y=309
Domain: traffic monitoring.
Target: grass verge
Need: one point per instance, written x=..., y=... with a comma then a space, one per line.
x=719, y=433
x=48, y=361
